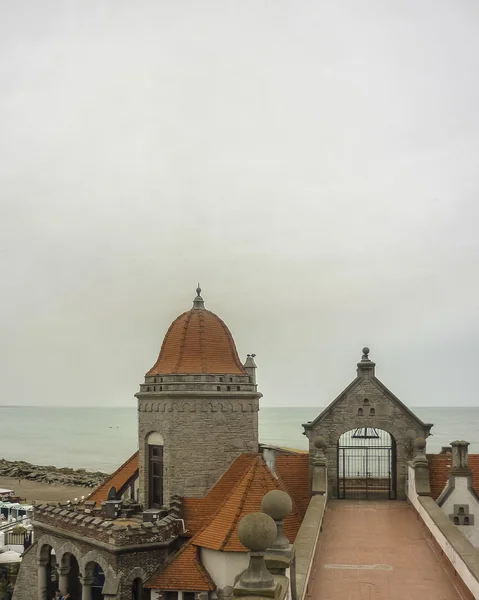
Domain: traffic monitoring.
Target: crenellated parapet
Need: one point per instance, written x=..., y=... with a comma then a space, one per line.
x=91, y=523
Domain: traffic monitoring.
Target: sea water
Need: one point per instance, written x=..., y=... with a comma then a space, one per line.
x=100, y=439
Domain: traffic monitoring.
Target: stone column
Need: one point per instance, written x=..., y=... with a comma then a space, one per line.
x=43, y=578
x=421, y=468
x=63, y=578
x=319, y=484
x=86, y=583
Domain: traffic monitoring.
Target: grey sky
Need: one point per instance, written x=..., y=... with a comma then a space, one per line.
x=313, y=164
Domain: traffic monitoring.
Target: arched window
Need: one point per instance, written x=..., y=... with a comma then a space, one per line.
x=155, y=469
x=360, y=412
x=466, y=520
x=461, y=510
x=228, y=388
x=456, y=520
x=218, y=388
x=137, y=589
x=238, y=388
x=366, y=402
x=221, y=378
x=372, y=412
x=231, y=379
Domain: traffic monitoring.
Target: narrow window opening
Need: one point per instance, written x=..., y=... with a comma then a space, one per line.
x=466, y=520
x=237, y=388
x=372, y=412
x=360, y=412
x=231, y=379
x=161, y=388
x=221, y=378
x=366, y=402
x=228, y=388
x=461, y=510
x=218, y=388
x=456, y=520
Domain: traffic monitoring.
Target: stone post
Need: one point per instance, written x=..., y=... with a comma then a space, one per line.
x=86, y=583
x=43, y=578
x=256, y=531
x=421, y=468
x=278, y=505
x=460, y=458
x=319, y=483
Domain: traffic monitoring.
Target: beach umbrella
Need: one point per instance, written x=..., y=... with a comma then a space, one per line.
x=10, y=557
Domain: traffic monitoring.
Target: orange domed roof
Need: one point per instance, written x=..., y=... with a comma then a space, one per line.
x=198, y=342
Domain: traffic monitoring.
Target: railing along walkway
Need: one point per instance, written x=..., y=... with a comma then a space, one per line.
x=378, y=550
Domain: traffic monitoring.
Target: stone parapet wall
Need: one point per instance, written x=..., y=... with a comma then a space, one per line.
x=306, y=545
x=459, y=551
x=209, y=383
x=120, y=532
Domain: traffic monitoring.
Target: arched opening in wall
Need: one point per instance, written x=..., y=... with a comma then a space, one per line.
x=47, y=556
x=137, y=592
x=96, y=580
x=74, y=585
x=155, y=470
x=367, y=464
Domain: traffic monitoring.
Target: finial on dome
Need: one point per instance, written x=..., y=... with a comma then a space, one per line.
x=198, y=302
x=365, y=355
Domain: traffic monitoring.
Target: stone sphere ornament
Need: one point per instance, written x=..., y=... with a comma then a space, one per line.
x=277, y=504
x=320, y=443
x=420, y=443
x=257, y=531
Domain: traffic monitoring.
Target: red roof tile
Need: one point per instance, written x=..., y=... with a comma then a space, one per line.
x=117, y=480
x=198, y=342
x=185, y=572
x=221, y=533
x=294, y=472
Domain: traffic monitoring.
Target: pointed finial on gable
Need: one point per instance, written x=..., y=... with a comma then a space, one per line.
x=366, y=366
x=198, y=302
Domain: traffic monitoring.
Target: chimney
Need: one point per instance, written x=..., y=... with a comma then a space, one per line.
x=460, y=458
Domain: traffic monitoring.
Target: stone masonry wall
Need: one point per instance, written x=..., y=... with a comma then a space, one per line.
x=390, y=417
x=202, y=436
x=120, y=568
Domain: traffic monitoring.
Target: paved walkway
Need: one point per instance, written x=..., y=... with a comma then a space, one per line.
x=377, y=550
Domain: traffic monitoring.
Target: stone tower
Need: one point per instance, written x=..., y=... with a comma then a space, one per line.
x=197, y=410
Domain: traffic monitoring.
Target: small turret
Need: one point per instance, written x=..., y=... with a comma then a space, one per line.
x=250, y=367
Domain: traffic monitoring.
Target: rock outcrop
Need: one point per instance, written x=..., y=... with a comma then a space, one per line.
x=50, y=474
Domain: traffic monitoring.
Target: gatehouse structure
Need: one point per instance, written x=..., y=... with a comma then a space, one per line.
x=203, y=511
x=369, y=437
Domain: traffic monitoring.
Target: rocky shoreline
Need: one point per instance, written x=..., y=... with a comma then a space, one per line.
x=50, y=474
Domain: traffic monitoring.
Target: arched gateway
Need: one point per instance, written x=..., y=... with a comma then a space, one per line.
x=369, y=436
x=366, y=465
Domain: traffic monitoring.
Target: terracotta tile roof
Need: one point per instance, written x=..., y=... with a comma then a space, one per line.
x=197, y=512
x=117, y=480
x=198, y=342
x=185, y=572
x=440, y=467
x=221, y=533
x=294, y=472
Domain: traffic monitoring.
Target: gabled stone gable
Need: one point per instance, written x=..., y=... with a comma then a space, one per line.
x=367, y=402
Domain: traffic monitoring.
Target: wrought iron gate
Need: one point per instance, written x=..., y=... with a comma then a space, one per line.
x=366, y=465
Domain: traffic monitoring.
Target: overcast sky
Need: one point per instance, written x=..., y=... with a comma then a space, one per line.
x=315, y=165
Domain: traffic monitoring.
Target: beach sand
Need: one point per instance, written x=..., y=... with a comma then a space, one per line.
x=42, y=492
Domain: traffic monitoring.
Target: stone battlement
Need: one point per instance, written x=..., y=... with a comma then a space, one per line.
x=88, y=522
